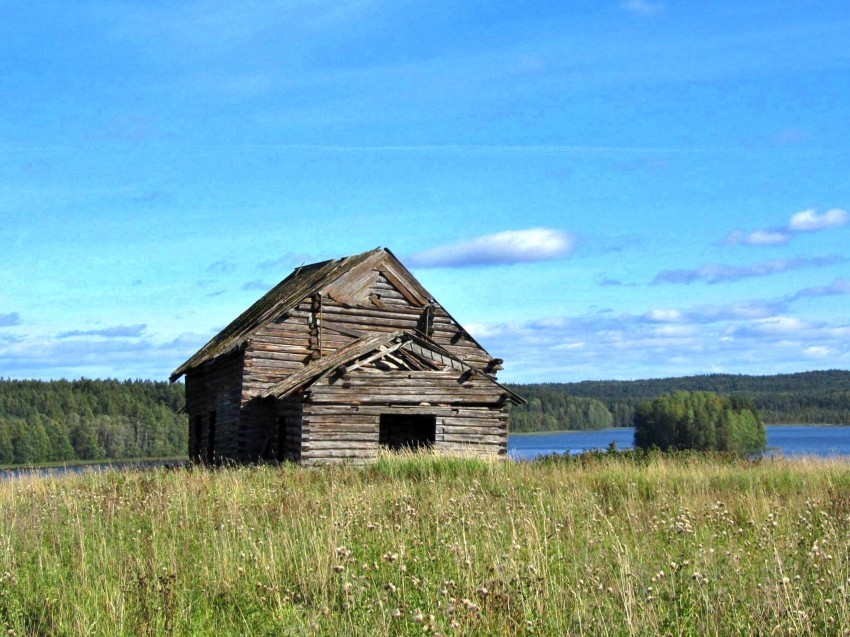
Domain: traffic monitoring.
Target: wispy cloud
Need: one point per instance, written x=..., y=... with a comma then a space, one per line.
x=837, y=287
x=721, y=273
x=286, y=262
x=757, y=238
x=804, y=221
x=501, y=248
x=704, y=314
x=736, y=338
x=257, y=284
x=96, y=357
x=221, y=267
x=7, y=320
x=609, y=282
x=207, y=25
x=118, y=331
x=642, y=7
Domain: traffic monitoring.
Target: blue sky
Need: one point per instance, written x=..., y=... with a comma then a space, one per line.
x=595, y=189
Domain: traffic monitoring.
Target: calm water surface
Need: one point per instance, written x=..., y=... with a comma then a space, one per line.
x=93, y=467
x=790, y=440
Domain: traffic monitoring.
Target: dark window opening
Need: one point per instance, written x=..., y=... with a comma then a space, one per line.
x=211, y=439
x=407, y=431
x=195, y=440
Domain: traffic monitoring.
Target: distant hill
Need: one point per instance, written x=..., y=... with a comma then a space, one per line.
x=89, y=420
x=804, y=398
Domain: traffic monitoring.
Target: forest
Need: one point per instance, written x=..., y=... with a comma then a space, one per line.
x=821, y=397
x=700, y=420
x=90, y=419
x=55, y=421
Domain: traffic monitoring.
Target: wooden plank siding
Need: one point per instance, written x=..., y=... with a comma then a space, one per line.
x=283, y=345
x=216, y=388
x=335, y=413
x=276, y=350
x=341, y=418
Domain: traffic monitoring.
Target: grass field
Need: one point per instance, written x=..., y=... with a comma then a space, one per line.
x=618, y=545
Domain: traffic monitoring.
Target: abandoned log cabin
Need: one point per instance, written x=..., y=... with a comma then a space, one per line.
x=341, y=358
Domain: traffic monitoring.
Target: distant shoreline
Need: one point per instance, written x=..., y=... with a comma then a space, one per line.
x=569, y=431
x=104, y=462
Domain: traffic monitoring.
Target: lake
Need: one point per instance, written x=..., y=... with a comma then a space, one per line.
x=790, y=440
x=94, y=466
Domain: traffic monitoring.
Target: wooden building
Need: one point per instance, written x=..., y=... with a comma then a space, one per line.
x=339, y=359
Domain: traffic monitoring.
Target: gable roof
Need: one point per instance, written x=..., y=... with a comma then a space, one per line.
x=371, y=348
x=304, y=281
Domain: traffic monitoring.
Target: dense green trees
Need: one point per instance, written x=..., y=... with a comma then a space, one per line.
x=552, y=411
x=821, y=397
x=90, y=419
x=704, y=421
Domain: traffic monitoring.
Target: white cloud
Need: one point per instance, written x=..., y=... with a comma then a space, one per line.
x=91, y=355
x=780, y=325
x=481, y=330
x=757, y=238
x=743, y=338
x=817, y=352
x=704, y=314
x=674, y=330
x=767, y=238
x=810, y=220
x=803, y=221
x=501, y=248
x=664, y=316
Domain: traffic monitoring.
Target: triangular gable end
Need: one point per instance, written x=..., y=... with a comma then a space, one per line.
x=352, y=287
x=397, y=350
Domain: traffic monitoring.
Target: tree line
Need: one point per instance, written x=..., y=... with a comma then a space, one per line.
x=699, y=420
x=42, y=421
x=821, y=397
x=89, y=420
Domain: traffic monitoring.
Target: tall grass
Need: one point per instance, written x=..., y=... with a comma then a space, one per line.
x=608, y=545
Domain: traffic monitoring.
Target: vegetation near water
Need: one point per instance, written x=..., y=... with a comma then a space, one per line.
x=60, y=421
x=821, y=397
x=598, y=544
x=65, y=421
x=700, y=420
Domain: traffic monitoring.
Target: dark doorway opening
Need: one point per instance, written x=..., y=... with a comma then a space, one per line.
x=281, y=451
x=407, y=431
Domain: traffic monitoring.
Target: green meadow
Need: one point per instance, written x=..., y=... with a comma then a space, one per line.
x=617, y=544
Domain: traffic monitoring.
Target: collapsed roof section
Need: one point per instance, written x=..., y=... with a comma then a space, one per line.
x=403, y=350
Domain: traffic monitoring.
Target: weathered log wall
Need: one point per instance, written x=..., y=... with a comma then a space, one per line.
x=214, y=397
x=288, y=430
x=285, y=344
x=341, y=420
